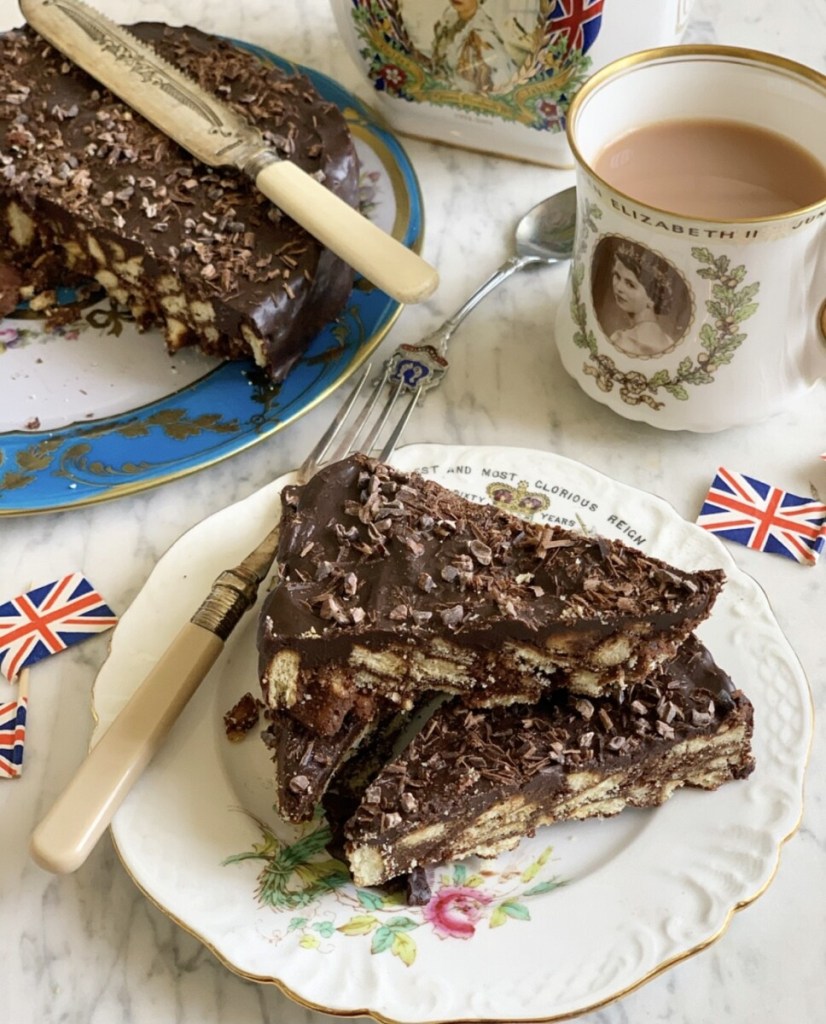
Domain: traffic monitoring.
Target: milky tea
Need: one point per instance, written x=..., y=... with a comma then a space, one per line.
x=712, y=169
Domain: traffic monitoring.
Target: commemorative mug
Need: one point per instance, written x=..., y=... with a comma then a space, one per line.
x=696, y=299
x=495, y=75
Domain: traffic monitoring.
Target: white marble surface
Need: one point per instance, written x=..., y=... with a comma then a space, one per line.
x=88, y=947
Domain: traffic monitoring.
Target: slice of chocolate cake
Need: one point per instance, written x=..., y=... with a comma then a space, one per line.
x=392, y=586
x=476, y=781
x=88, y=187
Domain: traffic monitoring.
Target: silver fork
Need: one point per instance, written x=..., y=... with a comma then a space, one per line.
x=70, y=830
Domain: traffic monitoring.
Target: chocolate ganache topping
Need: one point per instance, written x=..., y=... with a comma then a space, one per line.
x=368, y=554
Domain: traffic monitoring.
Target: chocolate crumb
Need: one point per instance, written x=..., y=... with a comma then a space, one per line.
x=419, y=893
x=242, y=717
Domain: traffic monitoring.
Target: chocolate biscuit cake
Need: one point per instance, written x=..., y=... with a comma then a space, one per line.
x=476, y=781
x=88, y=187
x=392, y=586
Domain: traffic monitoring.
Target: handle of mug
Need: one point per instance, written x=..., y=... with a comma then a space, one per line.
x=816, y=349
x=820, y=339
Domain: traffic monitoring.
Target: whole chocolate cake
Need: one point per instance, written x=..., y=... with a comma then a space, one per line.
x=89, y=188
x=392, y=586
x=476, y=781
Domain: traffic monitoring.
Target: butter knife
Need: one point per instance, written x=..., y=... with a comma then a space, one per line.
x=219, y=137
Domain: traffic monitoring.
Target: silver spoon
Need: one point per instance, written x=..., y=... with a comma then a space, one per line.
x=544, y=235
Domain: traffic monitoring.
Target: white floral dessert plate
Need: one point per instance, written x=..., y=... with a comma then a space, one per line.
x=574, y=917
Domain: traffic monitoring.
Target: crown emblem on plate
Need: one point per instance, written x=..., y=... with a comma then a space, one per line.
x=518, y=500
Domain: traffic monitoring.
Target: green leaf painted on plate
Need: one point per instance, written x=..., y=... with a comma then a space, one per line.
x=533, y=869
x=518, y=911
x=498, y=918
x=369, y=900
x=404, y=948
x=361, y=924
x=382, y=940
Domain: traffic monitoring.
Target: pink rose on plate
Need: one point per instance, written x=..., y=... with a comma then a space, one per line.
x=8, y=336
x=454, y=910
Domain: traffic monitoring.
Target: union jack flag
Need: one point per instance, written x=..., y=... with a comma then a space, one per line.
x=12, y=738
x=48, y=619
x=764, y=517
x=577, y=21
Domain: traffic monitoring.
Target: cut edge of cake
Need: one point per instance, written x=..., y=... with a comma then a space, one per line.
x=197, y=251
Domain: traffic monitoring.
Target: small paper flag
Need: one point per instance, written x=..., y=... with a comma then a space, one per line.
x=49, y=619
x=766, y=518
x=13, y=732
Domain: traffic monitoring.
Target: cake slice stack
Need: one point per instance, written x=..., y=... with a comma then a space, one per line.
x=394, y=590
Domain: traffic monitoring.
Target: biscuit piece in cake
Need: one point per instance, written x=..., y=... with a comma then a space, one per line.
x=90, y=188
x=392, y=586
x=476, y=781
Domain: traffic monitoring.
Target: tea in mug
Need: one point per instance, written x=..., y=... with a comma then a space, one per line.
x=713, y=169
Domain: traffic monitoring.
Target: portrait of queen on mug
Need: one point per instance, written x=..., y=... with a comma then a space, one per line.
x=641, y=301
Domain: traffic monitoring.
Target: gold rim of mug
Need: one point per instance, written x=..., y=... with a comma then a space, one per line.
x=660, y=53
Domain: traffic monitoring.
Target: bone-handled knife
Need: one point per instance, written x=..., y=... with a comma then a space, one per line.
x=217, y=136
x=82, y=812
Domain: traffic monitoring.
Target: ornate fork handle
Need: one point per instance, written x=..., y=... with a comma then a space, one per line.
x=423, y=366
x=416, y=367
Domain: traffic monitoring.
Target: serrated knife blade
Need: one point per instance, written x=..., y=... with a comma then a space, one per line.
x=218, y=137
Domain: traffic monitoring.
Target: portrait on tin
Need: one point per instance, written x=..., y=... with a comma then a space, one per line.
x=641, y=301
x=475, y=45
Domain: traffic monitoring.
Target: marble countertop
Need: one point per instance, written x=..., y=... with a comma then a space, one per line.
x=88, y=947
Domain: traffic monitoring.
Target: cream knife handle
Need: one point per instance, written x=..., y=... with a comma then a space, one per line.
x=67, y=835
x=382, y=259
